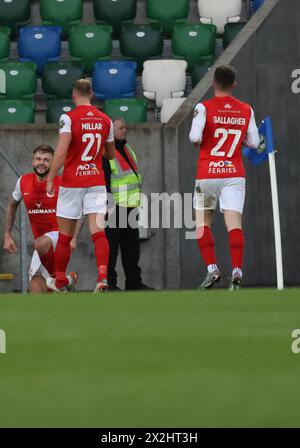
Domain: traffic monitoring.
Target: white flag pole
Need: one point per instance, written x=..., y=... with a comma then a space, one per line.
x=276, y=220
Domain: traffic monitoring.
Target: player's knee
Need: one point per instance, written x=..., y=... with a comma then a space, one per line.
x=41, y=245
x=37, y=285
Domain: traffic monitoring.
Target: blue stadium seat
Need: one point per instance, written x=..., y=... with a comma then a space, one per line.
x=39, y=44
x=255, y=5
x=114, y=79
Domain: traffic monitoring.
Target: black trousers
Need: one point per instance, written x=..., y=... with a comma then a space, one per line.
x=127, y=239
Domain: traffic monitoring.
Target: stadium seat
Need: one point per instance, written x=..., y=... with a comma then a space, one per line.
x=58, y=78
x=21, y=79
x=169, y=107
x=164, y=79
x=115, y=12
x=167, y=13
x=230, y=31
x=194, y=43
x=89, y=43
x=4, y=42
x=39, y=44
x=114, y=79
x=133, y=110
x=255, y=5
x=219, y=14
x=16, y=111
x=14, y=13
x=55, y=108
x=198, y=71
x=64, y=13
x=141, y=42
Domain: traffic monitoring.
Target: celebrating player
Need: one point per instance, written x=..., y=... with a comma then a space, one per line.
x=41, y=209
x=220, y=126
x=86, y=134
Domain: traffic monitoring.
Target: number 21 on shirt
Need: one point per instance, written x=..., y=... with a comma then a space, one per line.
x=90, y=139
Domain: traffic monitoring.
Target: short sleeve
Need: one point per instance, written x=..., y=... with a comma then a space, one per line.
x=65, y=124
x=17, y=193
x=110, y=137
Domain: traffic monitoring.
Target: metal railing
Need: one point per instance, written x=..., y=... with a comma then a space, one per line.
x=22, y=226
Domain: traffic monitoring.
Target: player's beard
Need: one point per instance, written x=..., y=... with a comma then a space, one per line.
x=43, y=174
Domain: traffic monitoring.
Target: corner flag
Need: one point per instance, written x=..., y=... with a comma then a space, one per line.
x=266, y=144
x=257, y=156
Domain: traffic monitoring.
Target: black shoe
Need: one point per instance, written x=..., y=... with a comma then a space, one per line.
x=139, y=287
x=115, y=288
x=210, y=279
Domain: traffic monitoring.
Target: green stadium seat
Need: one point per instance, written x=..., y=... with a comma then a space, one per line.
x=90, y=43
x=14, y=13
x=133, y=110
x=115, y=12
x=198, y=71
x=4, y=42
x=64, y=13
x=167, y=12
x=17, y=111
x=21, y=79
x=194, y=42
x=230, y=31
x=58, y=78
x=55, y=108
x=141, y=42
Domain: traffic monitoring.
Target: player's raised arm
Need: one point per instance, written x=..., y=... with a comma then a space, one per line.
x=198, y=125
x=10, y=215
x=252, y=137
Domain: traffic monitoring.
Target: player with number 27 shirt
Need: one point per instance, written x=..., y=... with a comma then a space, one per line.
x=85, y=135
x=220, y=126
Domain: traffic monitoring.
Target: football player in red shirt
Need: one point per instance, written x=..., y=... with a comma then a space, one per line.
x=86, y=134
x=220, y=127
x=41, y=209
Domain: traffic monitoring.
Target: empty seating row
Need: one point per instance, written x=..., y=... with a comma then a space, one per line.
x=89, y=43
x=166, y=13
x=132, y=110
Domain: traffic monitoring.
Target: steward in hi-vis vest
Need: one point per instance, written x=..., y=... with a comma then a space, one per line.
x=124, y=182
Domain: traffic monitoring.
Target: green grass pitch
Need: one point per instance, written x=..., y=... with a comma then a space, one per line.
x=154, y=359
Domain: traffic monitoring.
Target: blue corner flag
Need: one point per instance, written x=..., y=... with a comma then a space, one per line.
x=266, y=145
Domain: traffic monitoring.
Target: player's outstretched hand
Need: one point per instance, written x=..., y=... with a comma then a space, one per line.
x=9, y=245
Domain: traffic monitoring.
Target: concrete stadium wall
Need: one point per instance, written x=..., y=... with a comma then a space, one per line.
x=265, y=53
x=19, y=141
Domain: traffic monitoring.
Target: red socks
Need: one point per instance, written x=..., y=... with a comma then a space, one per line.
x=207, y=246
x=48, y=261
x=101, y=253
x=62, y=258
x=236, y=245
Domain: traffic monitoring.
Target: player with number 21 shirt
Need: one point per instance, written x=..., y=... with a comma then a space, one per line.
x=85, y=135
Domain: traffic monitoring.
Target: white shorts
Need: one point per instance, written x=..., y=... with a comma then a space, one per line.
x=229, y=191
x=73, y=202
x=36, y=267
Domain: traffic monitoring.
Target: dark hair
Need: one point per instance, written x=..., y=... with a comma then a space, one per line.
x=44, y=149
x=83, y=87
x=225, y=76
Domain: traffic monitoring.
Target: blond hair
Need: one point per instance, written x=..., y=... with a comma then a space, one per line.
x=83, y=87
